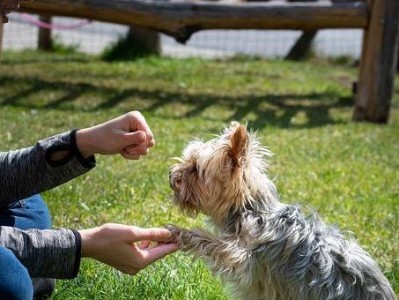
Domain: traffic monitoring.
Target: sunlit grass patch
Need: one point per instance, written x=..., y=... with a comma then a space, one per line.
x=346, y=172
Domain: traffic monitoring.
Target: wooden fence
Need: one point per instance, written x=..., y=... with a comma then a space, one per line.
x=378, y=18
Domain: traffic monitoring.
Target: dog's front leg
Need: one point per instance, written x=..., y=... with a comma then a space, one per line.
x=223, y=253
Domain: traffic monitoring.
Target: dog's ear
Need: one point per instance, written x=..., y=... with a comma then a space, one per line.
x=239, y=139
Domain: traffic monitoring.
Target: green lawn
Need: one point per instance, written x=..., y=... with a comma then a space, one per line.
x=348, y=172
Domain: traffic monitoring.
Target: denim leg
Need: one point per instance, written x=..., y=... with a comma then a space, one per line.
x=27, y=213
x=31, y=212
x=15, y=282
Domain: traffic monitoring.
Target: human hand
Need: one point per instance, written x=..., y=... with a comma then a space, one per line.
x=126, y=248
x=129, y=135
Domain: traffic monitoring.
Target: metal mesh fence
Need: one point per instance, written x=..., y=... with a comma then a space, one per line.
x=94, y=37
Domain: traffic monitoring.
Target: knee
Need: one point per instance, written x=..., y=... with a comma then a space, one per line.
x=40, y=212
x=15, y=282
x=31, y=212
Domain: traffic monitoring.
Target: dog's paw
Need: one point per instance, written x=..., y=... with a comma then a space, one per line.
x=175, y=232
x=180, y=236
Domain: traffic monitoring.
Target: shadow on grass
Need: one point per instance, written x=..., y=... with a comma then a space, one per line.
x=269, y=109
x=26, y=59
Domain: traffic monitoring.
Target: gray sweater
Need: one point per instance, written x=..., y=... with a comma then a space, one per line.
x=25, y=172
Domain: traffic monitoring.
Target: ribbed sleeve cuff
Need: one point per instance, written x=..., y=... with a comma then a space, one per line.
x=78, y=253
x=89, y=162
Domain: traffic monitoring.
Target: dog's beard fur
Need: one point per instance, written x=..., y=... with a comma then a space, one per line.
x=266, y=249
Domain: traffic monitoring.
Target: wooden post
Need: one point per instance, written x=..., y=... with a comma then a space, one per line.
x=44, y=40
x=138, y=42
x=302, y=45
x=1, y=37
x=378, y=62
x=148, y=40
x=397, y=63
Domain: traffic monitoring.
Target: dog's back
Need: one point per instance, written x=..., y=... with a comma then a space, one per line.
x=299, y=257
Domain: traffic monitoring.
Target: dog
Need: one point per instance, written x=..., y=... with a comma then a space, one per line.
x=265, y=249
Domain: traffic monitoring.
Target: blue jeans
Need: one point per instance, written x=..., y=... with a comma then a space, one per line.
x=32, y=212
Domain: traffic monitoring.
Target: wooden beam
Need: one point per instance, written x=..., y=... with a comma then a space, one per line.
x=182, y=19
x=378, y=63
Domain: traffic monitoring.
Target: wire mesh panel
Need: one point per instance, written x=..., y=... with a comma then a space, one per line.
x=93, y=37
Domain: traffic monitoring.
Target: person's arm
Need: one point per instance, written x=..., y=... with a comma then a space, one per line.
x=58, y=159
x=57, y=253
x=45, y=253
x=53, y=161
x=49, y=163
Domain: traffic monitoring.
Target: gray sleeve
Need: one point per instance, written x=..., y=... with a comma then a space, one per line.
x=29, y=171
x=45, y=253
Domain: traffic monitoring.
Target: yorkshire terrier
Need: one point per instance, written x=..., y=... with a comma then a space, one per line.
x=265, y=249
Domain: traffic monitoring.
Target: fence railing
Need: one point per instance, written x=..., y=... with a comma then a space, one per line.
x=378, y=18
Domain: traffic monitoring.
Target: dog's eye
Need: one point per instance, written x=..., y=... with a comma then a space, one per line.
x=194, y=169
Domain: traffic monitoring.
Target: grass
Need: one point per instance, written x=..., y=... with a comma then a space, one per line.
x=347, y=171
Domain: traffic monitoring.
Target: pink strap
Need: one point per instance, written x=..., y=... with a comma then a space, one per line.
x=30, y=19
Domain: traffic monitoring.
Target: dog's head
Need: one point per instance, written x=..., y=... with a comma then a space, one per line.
x=220, y=176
